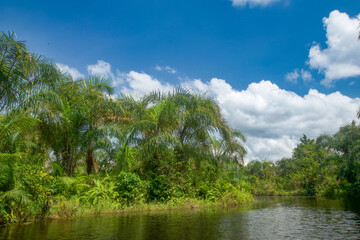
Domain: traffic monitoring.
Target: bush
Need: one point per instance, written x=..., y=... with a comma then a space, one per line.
x=209, y=192
x=161, y=188
x=5, y=217
x=102, y=189
x=35, y=181
x=235, y=198
x=130, y=187
x=6, y=177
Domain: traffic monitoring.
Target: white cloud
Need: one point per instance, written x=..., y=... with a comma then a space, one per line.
x=306, y=75
x=165, y=68
x=139, y=83
x=103, y=69
x=100, y=68
x=341, y=58
x=292, y=76
x=270, y=148
x=253, y=3
x=274, y=119
x=73, y=72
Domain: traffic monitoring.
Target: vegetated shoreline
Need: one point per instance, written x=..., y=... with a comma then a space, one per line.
x=70, y=209
x=68, y=148
x=107, y=208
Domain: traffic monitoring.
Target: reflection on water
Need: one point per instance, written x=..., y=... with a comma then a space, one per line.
x=266, y=218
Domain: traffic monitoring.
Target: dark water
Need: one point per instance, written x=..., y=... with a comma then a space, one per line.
x=266, y=218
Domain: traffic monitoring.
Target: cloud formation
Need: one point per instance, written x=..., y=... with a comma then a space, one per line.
x=102, y=68
x=341, y=58
x=140, y=83
x=73, y=72
x=165, y=68
x=253, y=3
x=274, y=119
x=306, y=76
x=294, y=76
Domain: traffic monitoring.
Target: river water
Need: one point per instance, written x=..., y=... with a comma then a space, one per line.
x=267, y=218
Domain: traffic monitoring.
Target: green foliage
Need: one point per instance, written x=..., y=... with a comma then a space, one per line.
x=36, y=181
x=5, y=217
x=15, y=206
x=161, y=188
x=130, y=187
x=102, y=189
x=235, y=198
x=22, y=73
x=6, y=177
x=69, y=147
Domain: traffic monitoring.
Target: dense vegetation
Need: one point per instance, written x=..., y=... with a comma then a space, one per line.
x=70, y=147
x=327, y=166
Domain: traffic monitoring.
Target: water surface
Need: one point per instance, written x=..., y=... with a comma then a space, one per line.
x=266, y=218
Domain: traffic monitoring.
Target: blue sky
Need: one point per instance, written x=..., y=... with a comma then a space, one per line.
x=210, y=44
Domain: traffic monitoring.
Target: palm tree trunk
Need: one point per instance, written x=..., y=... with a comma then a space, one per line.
x=91, y=165
x=68, y=161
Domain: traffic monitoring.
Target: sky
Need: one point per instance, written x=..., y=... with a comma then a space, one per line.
x=278, y=68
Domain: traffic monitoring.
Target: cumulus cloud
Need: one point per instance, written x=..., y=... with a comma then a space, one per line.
x=306, y=75
x=341, y=58
x=103, y=69
x=100, y=68
x=139, y=83
x=253, y=3
x=165, y=68
x=73, y=72
x=274, y=119
x=293, y=76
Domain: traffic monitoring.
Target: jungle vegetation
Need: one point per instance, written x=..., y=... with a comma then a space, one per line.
x=70, y=147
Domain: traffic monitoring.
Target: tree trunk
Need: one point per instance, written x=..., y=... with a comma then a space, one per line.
x=68, y=161
x=91, y=165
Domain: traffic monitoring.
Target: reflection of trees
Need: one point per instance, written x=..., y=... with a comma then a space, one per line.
x=196, y=224
x=202, y=224
x=270, y=218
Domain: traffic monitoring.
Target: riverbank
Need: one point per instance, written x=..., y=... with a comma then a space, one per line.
x=278, y=218
x=52, y=198
x=66, y=209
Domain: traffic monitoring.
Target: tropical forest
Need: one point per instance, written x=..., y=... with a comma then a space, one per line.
x=71, y=148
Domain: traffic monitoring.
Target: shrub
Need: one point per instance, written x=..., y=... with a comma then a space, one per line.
x=35, y=181
x=5, y=217
x=235, y=198
x=6, y=177
x=130, y=187
x=103, y=189
x=161, y=188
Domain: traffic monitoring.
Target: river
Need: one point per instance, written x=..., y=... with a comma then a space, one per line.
x=266, y=218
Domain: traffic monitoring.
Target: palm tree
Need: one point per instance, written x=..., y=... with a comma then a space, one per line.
x=228, y=151
x=184, y=123
x=97, y=109
x=12, y=125
x=150, y=127
x=22, y=73
x=198, y=120
x=61, y=119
